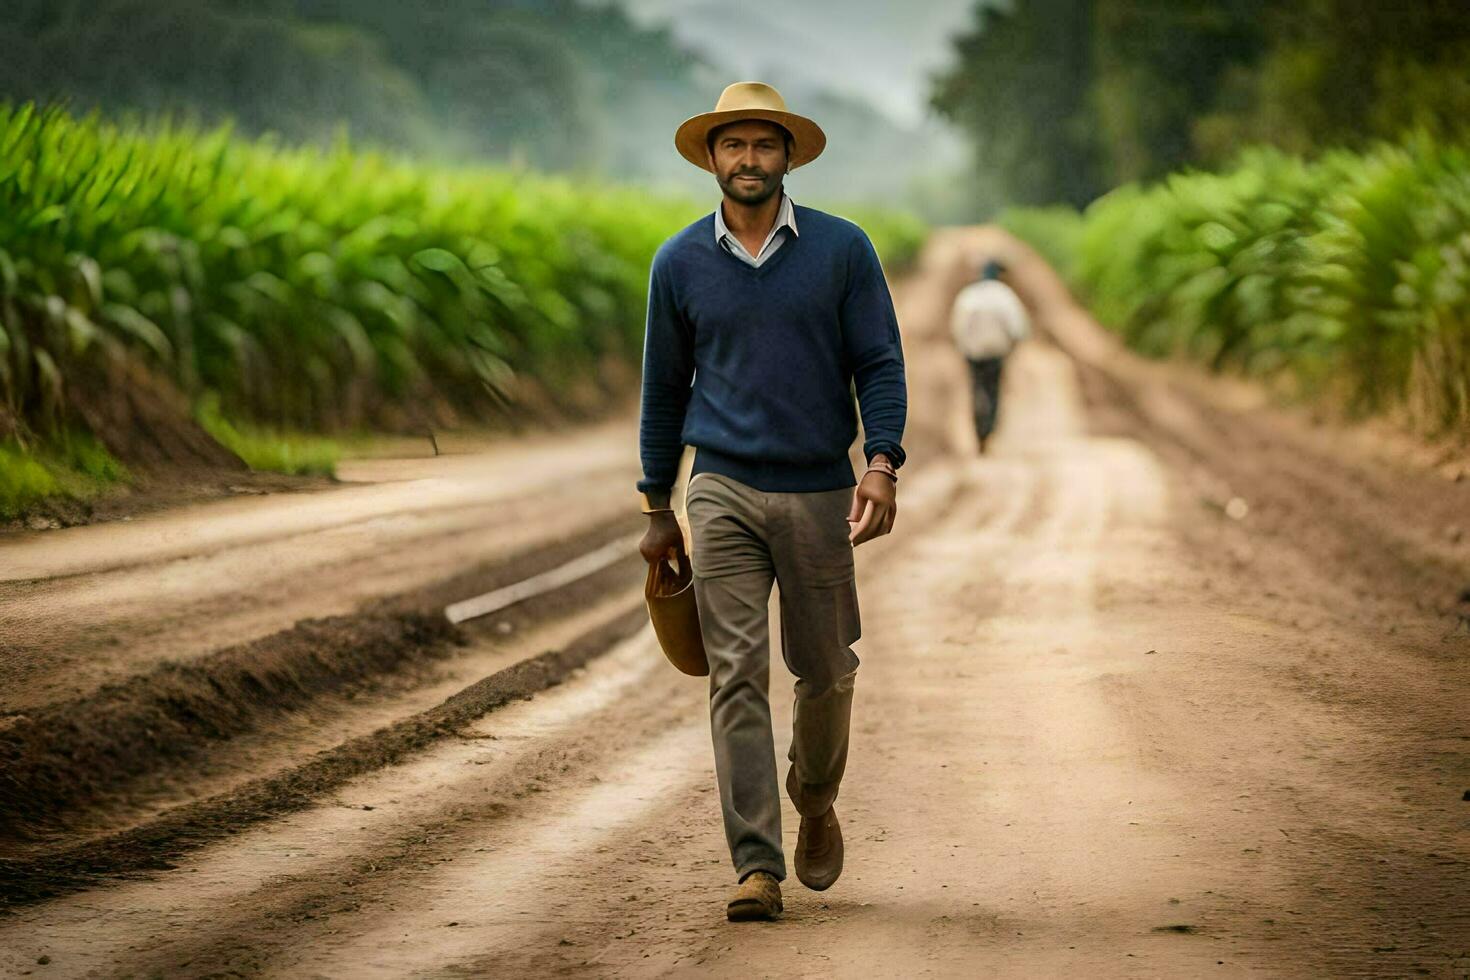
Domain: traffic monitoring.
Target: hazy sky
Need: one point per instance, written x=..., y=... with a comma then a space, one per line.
x=880, y=49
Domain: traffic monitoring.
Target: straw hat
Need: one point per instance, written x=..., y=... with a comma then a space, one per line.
x=749, y=100
x=674, y=612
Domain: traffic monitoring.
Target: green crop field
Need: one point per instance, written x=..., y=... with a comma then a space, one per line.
x=305, y=290
x=1348, y=275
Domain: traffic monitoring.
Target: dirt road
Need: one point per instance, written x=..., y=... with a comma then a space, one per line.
x=185, y=582
x=1165, y=686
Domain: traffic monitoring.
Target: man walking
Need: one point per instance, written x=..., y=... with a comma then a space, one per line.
x=987, y=321
x=762, y=319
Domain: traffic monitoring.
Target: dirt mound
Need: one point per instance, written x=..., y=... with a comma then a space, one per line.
x=142, y=418
x=71, y=753
x=153, y=845
x=65, y=764
x=144, y=421
x=60, y=761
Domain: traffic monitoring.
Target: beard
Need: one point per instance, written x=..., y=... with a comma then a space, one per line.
x=747, y=192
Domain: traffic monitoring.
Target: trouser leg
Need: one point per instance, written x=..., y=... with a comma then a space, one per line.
x=819, y=624
x=819, y=740
x=985, y=380
x=733, y=574
x=979, y=402
x=992, y=388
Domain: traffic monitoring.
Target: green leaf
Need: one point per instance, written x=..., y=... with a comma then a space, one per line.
x=140, y=328
x=439, y=260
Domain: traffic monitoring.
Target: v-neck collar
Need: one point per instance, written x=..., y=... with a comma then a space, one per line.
x=776, y=258
x=785, y=220
x=758, y=271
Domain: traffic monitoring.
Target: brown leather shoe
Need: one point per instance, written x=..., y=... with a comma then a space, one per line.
x=819, y=848
x=757, y=898
x=819, y=851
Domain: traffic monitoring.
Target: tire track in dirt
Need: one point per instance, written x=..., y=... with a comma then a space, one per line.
x=153, y=845
x=60, y=763
x=64, y=638
x=414, y=817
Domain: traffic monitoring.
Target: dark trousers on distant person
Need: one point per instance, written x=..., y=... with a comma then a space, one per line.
x=985, y=382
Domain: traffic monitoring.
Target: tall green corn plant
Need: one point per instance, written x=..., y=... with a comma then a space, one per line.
x=1055, y=233
x=1348, y=273
x=314, y=288
x=1123, y=262
x=1370, y=231
x=1394, y=250
x=1437, y=283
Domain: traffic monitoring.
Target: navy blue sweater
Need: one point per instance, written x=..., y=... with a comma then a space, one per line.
x=755, y=367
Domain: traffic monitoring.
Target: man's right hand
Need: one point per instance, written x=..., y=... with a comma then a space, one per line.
x=664, y=535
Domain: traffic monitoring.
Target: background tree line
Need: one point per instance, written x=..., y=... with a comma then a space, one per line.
x=550, y=83
x=1064, y=99
x=573, y=86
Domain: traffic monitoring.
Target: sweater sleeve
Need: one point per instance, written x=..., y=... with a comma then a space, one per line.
x=668, y=370
x=874, y=352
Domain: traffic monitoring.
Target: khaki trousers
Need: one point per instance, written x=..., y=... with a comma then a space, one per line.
x=744, y=540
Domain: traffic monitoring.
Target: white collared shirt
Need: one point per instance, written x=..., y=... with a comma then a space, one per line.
x=785, y=218
x=988, y=320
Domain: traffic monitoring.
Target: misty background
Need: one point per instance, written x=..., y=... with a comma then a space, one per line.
x=955, y=109
x=585, y=88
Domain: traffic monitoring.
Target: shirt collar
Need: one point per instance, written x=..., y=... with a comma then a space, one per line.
x=785, y=218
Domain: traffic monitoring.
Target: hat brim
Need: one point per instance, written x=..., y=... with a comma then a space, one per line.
x=691, y=139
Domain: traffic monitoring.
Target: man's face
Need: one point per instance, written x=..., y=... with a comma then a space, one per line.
x=749, y=159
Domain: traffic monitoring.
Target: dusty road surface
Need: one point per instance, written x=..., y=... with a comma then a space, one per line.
x=188, y=581
x=1170, y=684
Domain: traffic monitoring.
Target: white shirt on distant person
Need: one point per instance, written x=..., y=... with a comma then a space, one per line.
x=988, y=320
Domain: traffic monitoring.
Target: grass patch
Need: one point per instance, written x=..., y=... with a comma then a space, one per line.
x=264, y=449
x=75, y=466
x=24, y=482
x=88, y=458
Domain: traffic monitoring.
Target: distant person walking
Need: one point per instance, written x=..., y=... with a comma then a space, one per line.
x=762, y=319
x=988, y=321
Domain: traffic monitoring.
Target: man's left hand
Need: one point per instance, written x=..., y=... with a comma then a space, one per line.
x=874, y=507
